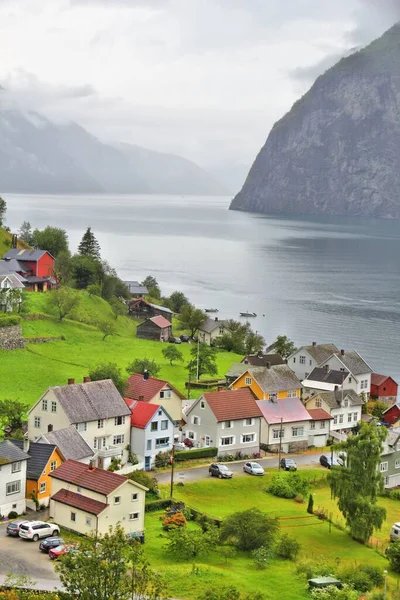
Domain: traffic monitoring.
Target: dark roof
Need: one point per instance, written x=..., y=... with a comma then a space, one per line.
x=274, y=379
x=289, y=409
x=40, y=455
x=148, y=388
x=160, y=308
x=334, y=399
x=229, y=405
x=319, y=414
x=320, y=352
x=15, y=280
x=26, y=255
x=12, y=265
x=330, y=376
x=208, y=325
x=134, y=287
x=10, y=453
x=97, y=480
x=34, y=279
x=354, y=362
x=261, y=360
x=91, y=401
x=70, y=443
x=94, y=507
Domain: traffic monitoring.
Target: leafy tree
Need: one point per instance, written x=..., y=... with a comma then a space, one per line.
x=25, y=233
x=52, y=239
x=118, y=307
x=393, y=554
x=250, y=529
x=240, y=338
x=254, y=342
x=191, y=318
x=109, y=566
x=140, y=365
x=63, y=301
x=262, y=557
x=171, y=353
x=89, y=246
x=287, y=547
x=229, y=593
x=176, y=301
x=189, y=543
x=203, y=361
x=227, y=552
x=283, y=346
x=144, y=479
x=85, y=271
x=3, y=210
x=113, y=286
x=356, y=485
x=13, y=413
x=94, y=289
x=10, y=299
x=63, y=268
x=107, y=328
x=378, y=409
x=152, y=285
x=109, y=371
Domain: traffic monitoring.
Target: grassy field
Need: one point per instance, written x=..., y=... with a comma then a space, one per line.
x=26, y=374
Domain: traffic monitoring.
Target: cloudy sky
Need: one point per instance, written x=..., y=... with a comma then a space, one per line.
x=201, y=78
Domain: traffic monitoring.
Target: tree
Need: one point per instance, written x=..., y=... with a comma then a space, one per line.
x=3, y=210
x=63, y=268
x=250, y=529
x=152, y=285
x=140, y=365
x=112, y=286
x=190, y=544
x=176, y=301
x=145, y=479
x=357, y=484
x=89, y=246
x=203, y=361
x=13, y=413
x=240, y=338
x=109, y=566
x=25, y=233
x=171, y=353
x=52, y=239
x=63, y=301
x=191, y=318
x=107, y=328
x=118, y=307
x=283, y=346
x=378, y=409
x=85, y=271
x=109, y=371
x=310, y=507
x=393, y=554
x=254, y=342
x=93, y=289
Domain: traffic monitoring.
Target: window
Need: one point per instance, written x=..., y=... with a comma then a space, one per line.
x=44, y=405
x=117, y=499
x=227, y=441
x=386, y=481
x=95, y=443
x=191, y=435
x=81, y=426
x=355, y=417
x=397, y=463
x=88, y=522
x=78, y=489
x=312, y=424
x=165, y=394
x=248, y=437
x=73, y=517
x=278, y=433
x=294, y=360
x=202, y=404
x=164, y=425
x=53, y=465
x=227, y=425
x=302, y=360
x=42, y=488
x=318, y=403
x=119, y=421
x=335, y=420
x=364, y=384
x=349, y=417
x=135, y=497
x=37, y=422
x=383, y=467
x=54, y=407
x=162, y=442
x=322, y=425
x=100, y=424
x=248, y=422
x=16, y=467
x=310, y=362
x=154, y=426
x=346, y=403
x=13, y=488
x=196, y=420
x=248, y=381
x=207, y=441
x=297, y=431
x=342, y=369
x=349, y=379
x=292, y=394
x=133, y=516
x=340, y=418
x=148, y=447
x=118, y=439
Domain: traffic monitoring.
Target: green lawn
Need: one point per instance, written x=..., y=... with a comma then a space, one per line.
x=26, y=374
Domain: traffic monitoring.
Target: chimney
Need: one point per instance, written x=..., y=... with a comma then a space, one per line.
x=336, y=388
x=342, y=352
x=141, y=398
x=326, y=368
x=268, y=365
x=216, y=318
x=246, y=361
x=260, y=354
x=86, y=379
x=314, y=343
x=91, y=466
x=26, y=443
x=71, y=381
x=220, y=388
x=145, y=374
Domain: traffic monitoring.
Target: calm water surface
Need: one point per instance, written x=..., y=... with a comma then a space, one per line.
x=323, y=279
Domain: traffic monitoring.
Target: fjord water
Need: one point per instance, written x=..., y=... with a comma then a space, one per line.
x=323, y=279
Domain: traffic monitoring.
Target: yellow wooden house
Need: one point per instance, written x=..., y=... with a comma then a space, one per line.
x=270, y=383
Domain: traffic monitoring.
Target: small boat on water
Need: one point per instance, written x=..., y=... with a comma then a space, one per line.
x=211, y=310
x=248, y=314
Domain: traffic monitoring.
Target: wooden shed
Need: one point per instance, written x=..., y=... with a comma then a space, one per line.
x=139, y=307
x=155, y=328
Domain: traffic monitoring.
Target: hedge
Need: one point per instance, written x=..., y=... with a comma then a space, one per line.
x=157, y=505
x=197, y=453
x=9, y=321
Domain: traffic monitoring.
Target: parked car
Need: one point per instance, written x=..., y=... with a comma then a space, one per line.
x=253, y=468
x=288, y=464
x=50, y=543
x=220, y=471
x=185, y=338
x=174, y=340
x=34, y=530
x=13, y=527
x=58, y=551
x=328, y=462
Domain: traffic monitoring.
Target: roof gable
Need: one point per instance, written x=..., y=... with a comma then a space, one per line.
x=69, y=441
x=143, y=413
x=148, y=389
x=94, y=479
x=319, y=352
x=335, y=399
x=10, y=453
x=274, y=379
x=319, y=414
x=229, y=405
x=291, y=410
x=352, y=361
x=209, y=325
x=321, y=374
x=160, y=321
x=26, y=254
x=40, y=455
x=378, y=379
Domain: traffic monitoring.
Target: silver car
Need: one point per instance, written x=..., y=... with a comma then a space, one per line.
x=253, y=468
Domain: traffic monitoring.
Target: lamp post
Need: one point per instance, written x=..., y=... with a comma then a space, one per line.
x=172, y=470
x=385, y=588
x=280, y=444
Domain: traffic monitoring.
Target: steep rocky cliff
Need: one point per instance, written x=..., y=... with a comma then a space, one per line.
x=337, y=151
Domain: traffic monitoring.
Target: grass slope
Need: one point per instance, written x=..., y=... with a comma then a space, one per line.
x=26, y=374
x=5, y=242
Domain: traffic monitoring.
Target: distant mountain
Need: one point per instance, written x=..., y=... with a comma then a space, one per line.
x=37, y=156
x=337, y=151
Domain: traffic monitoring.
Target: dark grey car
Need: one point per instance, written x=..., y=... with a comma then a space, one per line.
x=50, y=542
x=220, y=471
x=13, y=527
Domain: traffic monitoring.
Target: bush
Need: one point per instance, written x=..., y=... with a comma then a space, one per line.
x=145, y=479
x=197, y=453
x=249, y=529
x=156, y=505
x=162, y=459
x=356, y=578
x=310, y=507
x=288, y=485
x=262, y=557
x=12, y=514
x=310, y=569
x=9, y=321
x=374, y=573
x=393, y=554
x=287, y=547
x=173, y=521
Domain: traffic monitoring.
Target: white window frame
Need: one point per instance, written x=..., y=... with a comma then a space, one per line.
x=164, y=425
x=292, y=394
x=53, y=465
x=252, y=440
x=202, y=404
x=383, y=467
x=100, y=424
x=246, y=424
x=196, y=420
x=117, y=500
x=37, y=422
x=88, y=521
x=299, y=429
x=119, y=421
x=248, y=380
x=165, y=444
x=73, y=517
x=16, y=467
x=397, y=463
x=302, y=359
x=118, y=439
x=355, y=417
x=278, y=433
x=17, y=485
x=53, y=406
x=135, y=497
x=227, y=437
x=322, y=425
x=335, y=419
x=133, y=516
x=81, y=426
x=318, y=403
x=207, y=441
x=43, y=487
x=350, y=417
x=191, y=435
x=154, y=426
x=148, y=444
x=229, y=426
x=44, y=404
x=312, y=424
x=341, y=419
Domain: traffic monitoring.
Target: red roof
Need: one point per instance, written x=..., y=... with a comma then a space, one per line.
x=142, y=413
x=377, y=379
x=148, y=388
x=160, y=321
x=228, y=405
x=97, y=480
x=319, y=414
x=89, y=505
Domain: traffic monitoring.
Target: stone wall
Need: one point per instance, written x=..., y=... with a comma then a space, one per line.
x=11, y=338
x=298, y=446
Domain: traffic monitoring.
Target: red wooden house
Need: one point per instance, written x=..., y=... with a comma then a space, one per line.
x=383, y=388
x=35, y=266
x=391, y=415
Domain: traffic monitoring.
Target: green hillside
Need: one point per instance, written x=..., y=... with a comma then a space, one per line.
x=26, y=374
x=5, y=242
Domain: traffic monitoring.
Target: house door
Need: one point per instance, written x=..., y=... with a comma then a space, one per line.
x=147, y=463
x=207, y=440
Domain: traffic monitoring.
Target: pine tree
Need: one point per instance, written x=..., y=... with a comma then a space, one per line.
x=310, y=507
x=89, y=246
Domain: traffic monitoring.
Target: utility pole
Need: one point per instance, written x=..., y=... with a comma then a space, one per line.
x=172, y=470
x=280, y=444
x=198, y=356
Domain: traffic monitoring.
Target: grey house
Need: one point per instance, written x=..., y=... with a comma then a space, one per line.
x=228, y=420
x=390, y=459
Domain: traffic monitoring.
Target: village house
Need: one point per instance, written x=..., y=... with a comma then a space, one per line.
x=285, y=424
x=95, y=408
x=323, y=379
x=13, y=468
x=35, y=266
x=158, y=329
x=44, y=458
x=140, y=308
x=390, y=460
x=319, y=427
x=270, y=383
x=69, y=442
x=343, y=405
x=229, y=420
x=143, y=388
x=391, y=416
x=383, y=388
x=87, y=499
x=11, y=286
x=135, y=289
x=210, y=330
x=350, y=361
x=261, y=360
x=304, y=360
x=152, y=431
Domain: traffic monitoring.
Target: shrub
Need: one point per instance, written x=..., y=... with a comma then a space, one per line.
x=310, y=507
x=374, y=573
x=287, y=547
x=145, y=479
x=173, y=521
x=310, y=569
x=288, y=485
x=162, y=459
x=393, y=554
x=157, y=505
x=249, y=529
x=356, y=578
x=9, y=321
x=262, y=557
x=197, y=453
x=12, y=514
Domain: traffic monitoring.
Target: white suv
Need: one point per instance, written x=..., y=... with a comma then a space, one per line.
x=37, y=529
